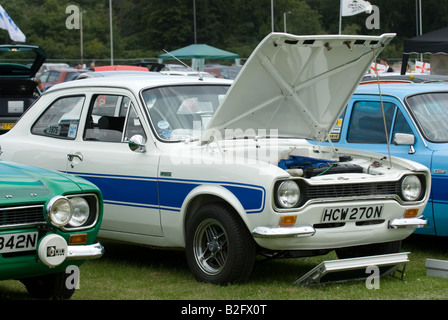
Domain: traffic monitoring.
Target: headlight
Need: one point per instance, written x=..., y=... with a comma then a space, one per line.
x=288, y=194
x=81, y=211
x=59, y=210
x=411, y=188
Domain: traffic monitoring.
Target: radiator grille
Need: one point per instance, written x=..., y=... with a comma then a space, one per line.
x=352, y=190
x=17, y=216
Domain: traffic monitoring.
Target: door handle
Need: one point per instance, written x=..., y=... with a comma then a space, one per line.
x=70, y=156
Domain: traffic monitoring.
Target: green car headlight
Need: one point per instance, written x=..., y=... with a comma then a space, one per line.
x=59, y=211
x=81, y=212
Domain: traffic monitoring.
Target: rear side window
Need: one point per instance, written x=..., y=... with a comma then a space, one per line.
x=61, y=119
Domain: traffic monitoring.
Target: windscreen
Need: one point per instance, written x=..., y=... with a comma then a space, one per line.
x=431, y=112
x=182, y=112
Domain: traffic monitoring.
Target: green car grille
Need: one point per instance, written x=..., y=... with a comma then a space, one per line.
x=20, y=216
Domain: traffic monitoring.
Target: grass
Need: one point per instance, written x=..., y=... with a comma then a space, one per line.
x=137, y=273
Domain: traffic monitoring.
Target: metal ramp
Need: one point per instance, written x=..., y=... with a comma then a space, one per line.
x=354, y=269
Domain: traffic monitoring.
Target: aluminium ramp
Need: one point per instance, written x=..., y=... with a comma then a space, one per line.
x=353, y=269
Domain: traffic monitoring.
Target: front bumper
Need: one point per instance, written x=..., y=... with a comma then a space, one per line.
x=308, y=231
x=93, y=251
x=53, y=250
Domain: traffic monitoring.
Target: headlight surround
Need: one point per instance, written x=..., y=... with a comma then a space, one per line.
x=59, y=211
x=81, y=211
x=288, y=194
x=411, y=188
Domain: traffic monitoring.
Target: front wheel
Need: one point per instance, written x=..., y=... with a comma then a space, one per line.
x=219, y=247
x=50, y=286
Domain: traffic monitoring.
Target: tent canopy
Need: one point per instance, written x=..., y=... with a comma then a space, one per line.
x=198, y=53
x=435, y=42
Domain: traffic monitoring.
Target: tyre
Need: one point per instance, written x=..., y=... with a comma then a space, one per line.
x=369, y=250
x=51, y=286
x=219, y=248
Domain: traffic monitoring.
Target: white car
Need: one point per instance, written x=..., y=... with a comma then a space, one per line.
x=222, y=169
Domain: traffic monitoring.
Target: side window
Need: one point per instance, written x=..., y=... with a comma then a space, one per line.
x=401, y=124
x=133, y=125
x=367, y=124
x=61, y=119
x=107, y=118
x=54, y=76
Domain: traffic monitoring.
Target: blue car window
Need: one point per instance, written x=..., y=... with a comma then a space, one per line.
x=401, y=124
x=367, y=124
x=431, y=111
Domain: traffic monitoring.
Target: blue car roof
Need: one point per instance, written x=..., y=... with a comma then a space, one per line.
x=402, y=90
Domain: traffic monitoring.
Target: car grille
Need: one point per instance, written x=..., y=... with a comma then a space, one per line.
x=19, y=216
x=353, y=190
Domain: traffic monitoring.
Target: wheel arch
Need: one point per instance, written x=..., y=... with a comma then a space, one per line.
x=203, y=195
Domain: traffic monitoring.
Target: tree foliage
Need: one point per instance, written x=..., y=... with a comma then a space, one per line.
x=143, y=28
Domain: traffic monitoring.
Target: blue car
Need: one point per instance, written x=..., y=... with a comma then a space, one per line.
x=416, y=117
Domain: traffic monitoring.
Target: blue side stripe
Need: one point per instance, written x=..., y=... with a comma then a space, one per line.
x=136, y=191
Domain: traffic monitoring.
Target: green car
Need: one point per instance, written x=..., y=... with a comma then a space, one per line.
x=49, y=222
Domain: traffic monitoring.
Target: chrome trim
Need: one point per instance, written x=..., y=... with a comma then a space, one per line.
x=93, y=251
x=419, y=222
x=283, y=232
x=97, y=213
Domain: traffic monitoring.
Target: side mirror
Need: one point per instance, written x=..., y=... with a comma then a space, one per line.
x=405, y=139
x=136, y=143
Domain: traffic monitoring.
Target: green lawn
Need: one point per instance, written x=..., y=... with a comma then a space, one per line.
x=137, y=273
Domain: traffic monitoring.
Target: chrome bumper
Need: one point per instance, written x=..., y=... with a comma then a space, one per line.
x=93, y=251
x=419, y=222
x=294, y=232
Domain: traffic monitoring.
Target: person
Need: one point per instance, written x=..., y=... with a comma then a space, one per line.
x=384, y=62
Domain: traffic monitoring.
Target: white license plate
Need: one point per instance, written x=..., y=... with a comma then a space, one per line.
x=17, y=242
x=344, y=214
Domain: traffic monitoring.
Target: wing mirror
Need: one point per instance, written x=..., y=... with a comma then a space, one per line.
x=136, y=143
x=405, y=139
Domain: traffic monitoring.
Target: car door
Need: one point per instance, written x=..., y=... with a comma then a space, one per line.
x=80, y=133
x=127, y=179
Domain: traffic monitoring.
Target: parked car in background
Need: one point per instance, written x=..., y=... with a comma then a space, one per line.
x=19, y=90
x=187, y=73
x=121, y=68
x=152, y=66
x=50, y=66
x=225, y=72
x=416, y=117
x=51, y=77
x=120, y=73
x=176, y=67
x=48, y=221
x=221, y=168
x=405, y=78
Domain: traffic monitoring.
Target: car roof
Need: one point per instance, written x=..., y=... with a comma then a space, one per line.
x=402, y=90
x=137, y=83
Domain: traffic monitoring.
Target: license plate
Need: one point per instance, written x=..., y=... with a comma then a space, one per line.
x=6, y=126
x=344, y=214
x=17, y=242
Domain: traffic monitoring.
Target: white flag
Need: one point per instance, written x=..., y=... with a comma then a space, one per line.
x=352, y=7
x=7, y=24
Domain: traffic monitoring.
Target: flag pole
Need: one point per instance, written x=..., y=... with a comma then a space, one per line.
x=340, y=16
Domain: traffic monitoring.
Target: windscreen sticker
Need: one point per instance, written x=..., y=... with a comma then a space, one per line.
x=163, y=124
